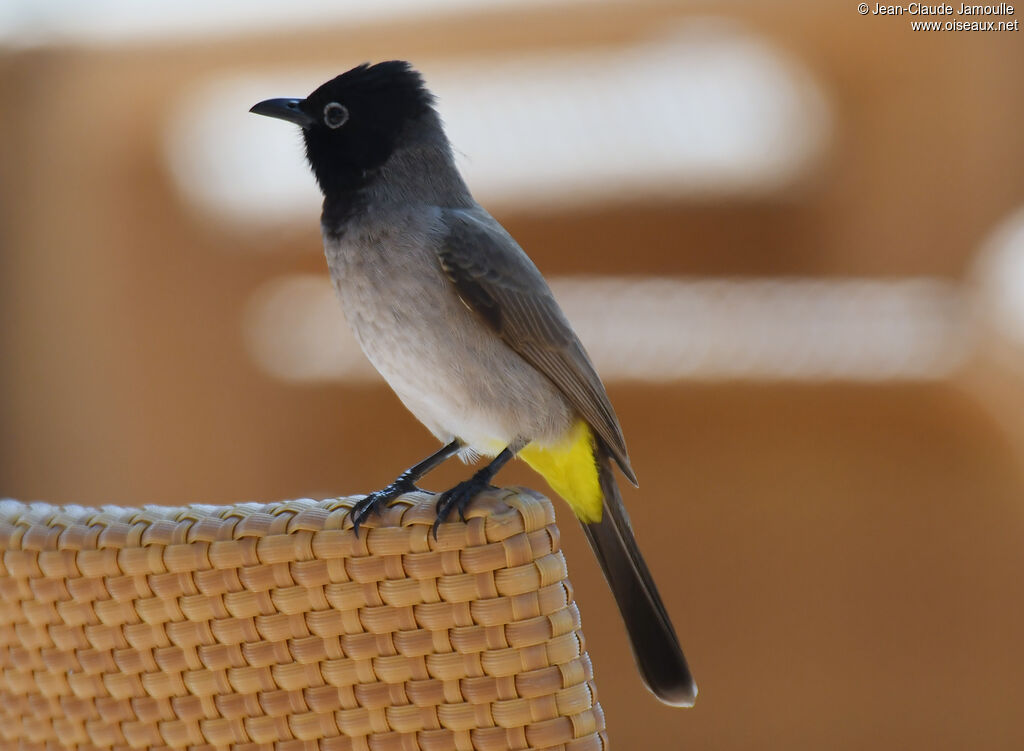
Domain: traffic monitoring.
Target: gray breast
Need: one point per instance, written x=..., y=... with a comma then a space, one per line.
x=451, y=371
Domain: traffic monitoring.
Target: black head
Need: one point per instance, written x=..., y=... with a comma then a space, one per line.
x=352, y=123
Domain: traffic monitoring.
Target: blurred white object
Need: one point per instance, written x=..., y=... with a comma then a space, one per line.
x=999, y=275
x=658, y=329
x=708, y=111
x=25, y=23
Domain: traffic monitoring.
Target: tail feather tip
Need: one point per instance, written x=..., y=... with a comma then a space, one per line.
x=677, y=696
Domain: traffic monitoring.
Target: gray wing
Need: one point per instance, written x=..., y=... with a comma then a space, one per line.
x=497, y=280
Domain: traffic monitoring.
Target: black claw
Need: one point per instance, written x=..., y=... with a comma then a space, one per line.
x=459, y=498
x=374, y=502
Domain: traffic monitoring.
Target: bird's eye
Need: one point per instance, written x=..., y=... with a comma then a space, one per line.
x=335, y=115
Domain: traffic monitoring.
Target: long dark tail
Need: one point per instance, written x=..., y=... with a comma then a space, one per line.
x=655, y=645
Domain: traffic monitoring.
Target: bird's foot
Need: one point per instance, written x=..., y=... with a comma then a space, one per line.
x=459, y=497
x=374, y=502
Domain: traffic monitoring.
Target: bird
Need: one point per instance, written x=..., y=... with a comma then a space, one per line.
x=459, y=321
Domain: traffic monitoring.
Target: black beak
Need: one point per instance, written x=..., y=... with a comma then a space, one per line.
x=284, y=109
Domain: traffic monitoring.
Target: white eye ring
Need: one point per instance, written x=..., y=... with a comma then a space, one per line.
x=335, y=115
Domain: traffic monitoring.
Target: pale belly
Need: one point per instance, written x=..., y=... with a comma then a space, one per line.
x=446, y=365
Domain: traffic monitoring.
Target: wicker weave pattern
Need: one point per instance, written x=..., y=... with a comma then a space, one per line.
x=271, y=626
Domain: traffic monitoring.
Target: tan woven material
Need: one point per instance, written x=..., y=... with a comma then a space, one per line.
x=272, y=626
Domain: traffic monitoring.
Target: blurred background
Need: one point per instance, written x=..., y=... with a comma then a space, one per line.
x=791, y=236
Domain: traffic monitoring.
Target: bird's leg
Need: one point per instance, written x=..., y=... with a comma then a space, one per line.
x=404, y=483
x=460, y=496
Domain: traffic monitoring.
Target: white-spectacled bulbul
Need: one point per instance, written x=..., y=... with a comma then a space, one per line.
x=463, y=327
